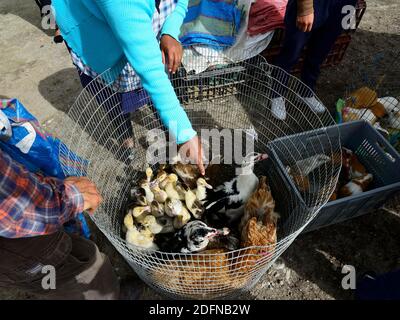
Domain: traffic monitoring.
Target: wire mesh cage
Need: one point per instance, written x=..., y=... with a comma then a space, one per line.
x=228, y=95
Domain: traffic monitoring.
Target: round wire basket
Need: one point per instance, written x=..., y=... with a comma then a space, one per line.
x=224, y=95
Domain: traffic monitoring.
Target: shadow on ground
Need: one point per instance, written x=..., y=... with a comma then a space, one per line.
x=27, y=10
x=369, y=243
x=61, y=88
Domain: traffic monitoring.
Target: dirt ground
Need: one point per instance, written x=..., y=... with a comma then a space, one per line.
x=40, y=74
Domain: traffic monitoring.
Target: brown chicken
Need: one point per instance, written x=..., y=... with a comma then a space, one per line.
x=260, y=203
x=259, y=227
x=209, y=270
x=354, y=177
x=356, y=185
x=361, y=98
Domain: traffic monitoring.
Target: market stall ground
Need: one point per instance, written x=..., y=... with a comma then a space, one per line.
x=40, y=74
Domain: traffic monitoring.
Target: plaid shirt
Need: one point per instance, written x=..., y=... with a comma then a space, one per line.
x=128, y=80
x=31, y=205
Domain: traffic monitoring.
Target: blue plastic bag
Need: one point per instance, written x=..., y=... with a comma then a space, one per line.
x=22, y=137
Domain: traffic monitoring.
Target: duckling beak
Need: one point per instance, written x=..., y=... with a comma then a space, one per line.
x=208, y=186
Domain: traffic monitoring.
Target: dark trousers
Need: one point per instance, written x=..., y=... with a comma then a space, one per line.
x=326, y=28
x=81, y=271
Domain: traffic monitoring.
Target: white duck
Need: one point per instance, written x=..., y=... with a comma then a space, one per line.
x=392, y=107
x=224, y=204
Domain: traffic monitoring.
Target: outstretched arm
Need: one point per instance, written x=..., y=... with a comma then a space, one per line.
x=31, y=205
x=131, y=22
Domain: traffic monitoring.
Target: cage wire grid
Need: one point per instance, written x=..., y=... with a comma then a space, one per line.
x=229, y=95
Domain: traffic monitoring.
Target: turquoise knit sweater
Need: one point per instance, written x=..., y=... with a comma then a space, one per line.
x=107, y=33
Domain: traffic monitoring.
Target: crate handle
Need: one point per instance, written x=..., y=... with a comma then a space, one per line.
x=323, y=133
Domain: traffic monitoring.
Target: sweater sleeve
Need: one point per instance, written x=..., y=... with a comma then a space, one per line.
x=131, y=22
x=305, y=7
x=172, y=25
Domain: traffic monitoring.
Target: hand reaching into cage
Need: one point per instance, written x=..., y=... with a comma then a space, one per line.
x=172, y=52
x=192, y=151
x=89, y=192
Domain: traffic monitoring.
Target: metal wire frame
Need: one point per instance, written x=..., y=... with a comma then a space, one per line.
x=235, y=95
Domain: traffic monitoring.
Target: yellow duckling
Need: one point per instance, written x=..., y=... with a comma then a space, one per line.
x=157, y=209
x=145, y=185
x=148, y=193
x=138, y=235
x=149, y=174
x=173, y=189
x=162, y=179
x=150, y=222
x=138, y=211
x=201, y=192
x=159, y=194
x=193, y=204
x=141, y=237
x=182, y=219
x=141, y=200
x=128, y=221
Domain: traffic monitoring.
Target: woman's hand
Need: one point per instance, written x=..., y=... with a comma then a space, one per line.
x=192, y=150
x=172, y=52
x=305, y=23
x=90, y=194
